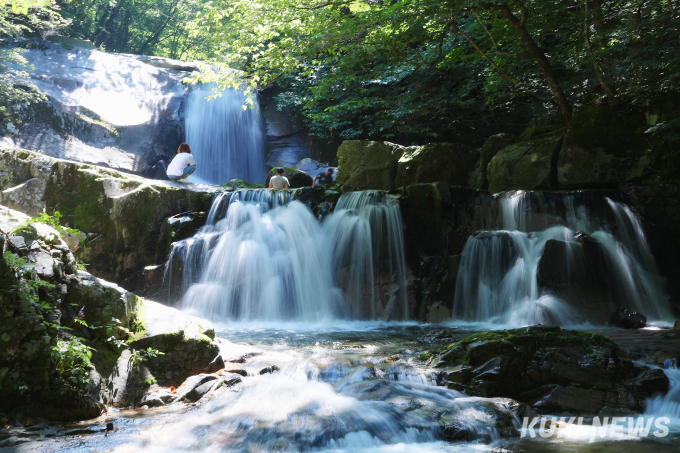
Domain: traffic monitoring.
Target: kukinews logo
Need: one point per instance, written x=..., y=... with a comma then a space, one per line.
x=595, y=428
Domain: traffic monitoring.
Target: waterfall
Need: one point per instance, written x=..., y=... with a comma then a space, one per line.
x=263, y=256
x=226, y=139
x=667, y=405
x=563, y=259
x=367, y=248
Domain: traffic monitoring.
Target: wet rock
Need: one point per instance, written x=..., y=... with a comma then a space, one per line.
x=269, y=369
x=676, y=326
x=195, y=387
x=296, y=178
x=126, y=385
x=550, y=368
x=626, y=319
x=157, y=398
x=651, y=382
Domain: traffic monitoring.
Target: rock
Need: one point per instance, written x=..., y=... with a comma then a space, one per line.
x=574, y=400
x=369, y=165
x=241, y=184
x=157, y=398
x=122, y=215
x=605, y=146
x=676, y=326
x=424, y=208
x=101, y=301
x=526, y=165
x=548, y=367
x=490, y=148
x=626, y=319
x=651, y=382
x=450, y=163
x=102, y=108
x=296, y=178
x=184, y=225
x=126, y=385
x=195, y=387
x=168, y=63
x=269, y=369
x=185, y=341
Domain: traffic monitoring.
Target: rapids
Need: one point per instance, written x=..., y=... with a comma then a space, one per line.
x=341, y=387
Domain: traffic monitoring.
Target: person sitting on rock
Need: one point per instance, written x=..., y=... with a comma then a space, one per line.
x=279, y=181
x=323, y=178
x=182, y=165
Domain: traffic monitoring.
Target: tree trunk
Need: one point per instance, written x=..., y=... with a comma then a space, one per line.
x=520, y=28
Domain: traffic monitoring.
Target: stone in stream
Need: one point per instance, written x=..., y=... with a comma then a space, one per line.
x=551, y=369
x=627, y=319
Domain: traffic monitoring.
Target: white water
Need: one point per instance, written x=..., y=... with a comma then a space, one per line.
x=226, y=139
x=497, y=278
x=263, y=256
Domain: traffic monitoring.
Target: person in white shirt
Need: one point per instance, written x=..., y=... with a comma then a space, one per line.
x=182, y=165
x=279, y=181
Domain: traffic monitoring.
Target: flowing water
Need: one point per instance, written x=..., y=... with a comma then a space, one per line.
x=264, y=256
x=340, y=387
x=498, y=277
x=227, y=139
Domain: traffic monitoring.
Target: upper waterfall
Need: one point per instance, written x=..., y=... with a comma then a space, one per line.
x=227, y=139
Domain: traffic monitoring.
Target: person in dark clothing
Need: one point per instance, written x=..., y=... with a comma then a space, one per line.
x=323, y=178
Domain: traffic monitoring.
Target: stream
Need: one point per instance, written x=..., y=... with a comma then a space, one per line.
x=339, y=387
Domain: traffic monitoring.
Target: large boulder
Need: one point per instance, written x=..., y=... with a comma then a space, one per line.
x=550, y=369
x=102, y=108
x=609, y=145
x=296, y=178
x=121, y=216
x=450, y=163
x=526, y=165
x=187, y=343
x=490, y=148
x=626, y=319
x=368, y=165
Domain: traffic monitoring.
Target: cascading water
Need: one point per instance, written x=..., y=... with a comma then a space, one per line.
x=559, y=259
x=227, y=140
x=264, y=256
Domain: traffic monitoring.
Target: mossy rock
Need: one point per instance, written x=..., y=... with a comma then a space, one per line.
x=525, y=165
x=451, y=163
x=490, y=148
x=479, y=348
x=242, y=184
x=296, y=178
x=609, y=145
x=368, y=165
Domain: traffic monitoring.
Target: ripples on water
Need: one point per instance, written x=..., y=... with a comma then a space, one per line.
x=341, y=387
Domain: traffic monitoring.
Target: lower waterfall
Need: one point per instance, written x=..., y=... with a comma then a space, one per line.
x=558, y=259
x=264, y=256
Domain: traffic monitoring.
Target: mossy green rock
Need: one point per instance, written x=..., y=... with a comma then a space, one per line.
x=525, y=165
x=242, y=184
x=187, y=343
x=490, y=148
x=606, y=146
x=368, y=165
x=296, y=178
x=451, y=163
x=550, y=368
x=122, y=215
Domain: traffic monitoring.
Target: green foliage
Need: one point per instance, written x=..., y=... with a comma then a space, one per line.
x=20, y=19
x=54, y=221
x=13, y=261
x=72, y=359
